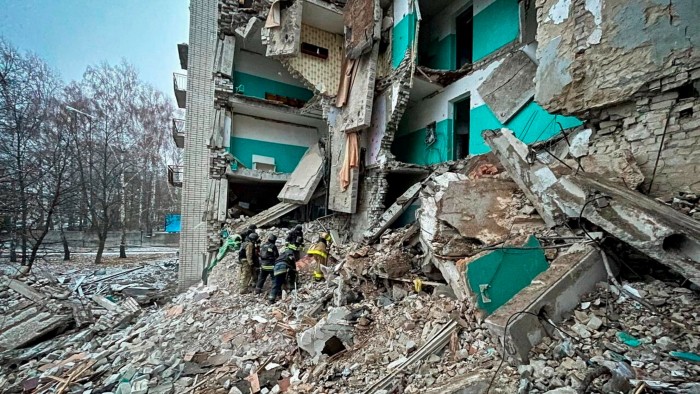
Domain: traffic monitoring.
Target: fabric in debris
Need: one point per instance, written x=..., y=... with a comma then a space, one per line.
x=352, y=158
x=345, y=85
x=273, y=17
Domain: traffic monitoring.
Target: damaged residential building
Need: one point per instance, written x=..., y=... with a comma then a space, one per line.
x=472, y=119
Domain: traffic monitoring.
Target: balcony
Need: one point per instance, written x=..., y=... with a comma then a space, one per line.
x=182, y=51
x=179, y=132
x=180, y=86
x=175, y=175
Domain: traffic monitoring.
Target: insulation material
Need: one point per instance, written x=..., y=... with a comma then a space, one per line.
x=510, y=86
x=285, y=40
x=306, y=176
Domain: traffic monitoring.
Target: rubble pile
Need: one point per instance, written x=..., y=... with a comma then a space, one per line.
x=687, y=203
x=657, y=350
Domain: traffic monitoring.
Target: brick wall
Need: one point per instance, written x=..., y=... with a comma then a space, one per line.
x=198, y=122
x=663, y=117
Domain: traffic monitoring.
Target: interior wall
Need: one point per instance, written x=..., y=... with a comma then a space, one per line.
x=259, y=74
x=324, y=74
x=286, y=143
x=496, y=24
x=404, y=30
x=438, y=38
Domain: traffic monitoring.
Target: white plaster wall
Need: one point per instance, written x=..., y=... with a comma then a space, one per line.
x=443, y=23
x=436, y=108
x=401, y=9
x=269, y=131
x=262, y=66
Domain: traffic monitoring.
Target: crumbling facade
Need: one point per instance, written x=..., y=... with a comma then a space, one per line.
x=340, y=108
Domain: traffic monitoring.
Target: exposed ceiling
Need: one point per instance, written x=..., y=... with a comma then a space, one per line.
x=322, y=17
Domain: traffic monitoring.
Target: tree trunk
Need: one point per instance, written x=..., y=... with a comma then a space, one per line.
x=101, y=240
x=122, y=218
x=13, y=249
x=66, y=249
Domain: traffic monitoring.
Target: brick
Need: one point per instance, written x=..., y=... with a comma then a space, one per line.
x=661, y=105
x=664, y=97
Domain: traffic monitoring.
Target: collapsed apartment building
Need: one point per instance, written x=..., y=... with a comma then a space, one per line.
x=359, y=113
x=345, y=108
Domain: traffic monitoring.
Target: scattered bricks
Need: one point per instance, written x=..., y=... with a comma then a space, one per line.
x=637, y=133
x=608, y=123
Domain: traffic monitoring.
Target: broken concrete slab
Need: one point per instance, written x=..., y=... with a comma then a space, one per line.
x=330, y=335
x=395, y=210
x=24, y=289
x=28, y=325
x=268, y=215
x=356, y=113
x=618, y=166
x=340, y=200
x=533, y=178
x=285, y=40
x=306, y=176
x=660, y=232
x=510, y=86
x=556, y=291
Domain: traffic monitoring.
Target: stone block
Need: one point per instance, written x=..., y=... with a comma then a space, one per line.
x=556, y=291
x=661, y=105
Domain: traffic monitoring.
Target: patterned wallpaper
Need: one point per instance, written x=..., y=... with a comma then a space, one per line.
x=323, y=73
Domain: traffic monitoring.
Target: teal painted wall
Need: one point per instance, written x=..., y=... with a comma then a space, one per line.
x=506, y=271
x=542, y=125
x=255, y=86
x=403, y=35
x=286, y=156
x=409, y=147
x=441, y=53
x=494, y=27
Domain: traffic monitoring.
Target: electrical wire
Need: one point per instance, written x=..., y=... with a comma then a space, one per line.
x=505, y=338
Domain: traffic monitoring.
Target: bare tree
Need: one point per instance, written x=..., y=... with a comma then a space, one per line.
x=28, y=91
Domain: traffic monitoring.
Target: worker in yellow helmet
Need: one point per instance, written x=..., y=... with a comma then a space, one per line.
x=319, y=251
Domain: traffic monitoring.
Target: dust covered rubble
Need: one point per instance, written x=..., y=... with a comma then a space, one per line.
x=628, y=345
x=210, y=339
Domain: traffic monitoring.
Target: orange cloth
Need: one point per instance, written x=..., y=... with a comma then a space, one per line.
x=352, y=159
x=346, y=79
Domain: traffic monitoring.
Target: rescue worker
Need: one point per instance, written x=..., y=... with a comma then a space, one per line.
x=248, y=260
x=231, y=243
x=319, y=251
x=285, y=266
x=268, y=255
x=297, y=231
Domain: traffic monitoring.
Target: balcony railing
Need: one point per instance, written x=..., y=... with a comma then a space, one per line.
x=175, y=175
x=180, y=86
x=179, y=132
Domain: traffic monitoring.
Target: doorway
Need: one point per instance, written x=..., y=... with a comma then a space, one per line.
x=461, y=128
x=464, y=29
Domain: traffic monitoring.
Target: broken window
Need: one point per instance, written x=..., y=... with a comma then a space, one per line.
x=314, y=50
x=461, y=128
x=464, y=26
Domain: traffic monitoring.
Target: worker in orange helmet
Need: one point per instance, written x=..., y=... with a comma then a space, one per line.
x=319, y=251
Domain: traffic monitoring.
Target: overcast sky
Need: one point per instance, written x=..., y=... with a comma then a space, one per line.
x=72, y=34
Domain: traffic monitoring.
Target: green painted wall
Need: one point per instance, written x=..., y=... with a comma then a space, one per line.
x=542, y=125
x=409, y=147
x=506, y=271
x=255, y=86
x=441, y=53
x=286, y=156
x=403, y=35
x=494, y=27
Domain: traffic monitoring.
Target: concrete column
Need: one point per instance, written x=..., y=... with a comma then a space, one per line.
x=198, y=123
